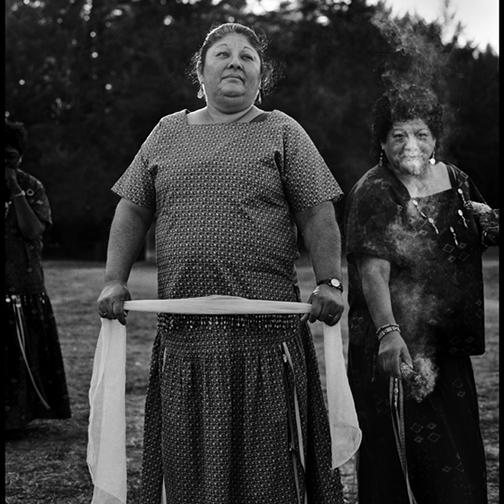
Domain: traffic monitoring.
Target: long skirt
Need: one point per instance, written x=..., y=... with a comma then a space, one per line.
x=444, y=449
x=34, y=375
x=235, y=414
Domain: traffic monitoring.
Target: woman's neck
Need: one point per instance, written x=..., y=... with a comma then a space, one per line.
x=432, y=180
x=214, y=115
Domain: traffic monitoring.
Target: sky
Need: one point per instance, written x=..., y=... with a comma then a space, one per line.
x=480, y=18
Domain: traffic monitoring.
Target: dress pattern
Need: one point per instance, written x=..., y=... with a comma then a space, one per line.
x=220, y=392
x=436, y=289
x=30, y=323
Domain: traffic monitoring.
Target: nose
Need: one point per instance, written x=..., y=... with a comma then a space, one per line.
x=235, y=62
x=411, y=143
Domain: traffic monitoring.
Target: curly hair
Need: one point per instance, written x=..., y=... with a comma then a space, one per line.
x=15, y=136
x=403, y=104
x=258, y=42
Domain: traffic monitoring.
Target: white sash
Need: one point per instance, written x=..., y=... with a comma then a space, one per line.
x=106, y=451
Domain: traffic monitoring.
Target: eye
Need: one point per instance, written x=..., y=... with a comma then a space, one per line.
x=222, y=54
x=423, y=135
x=397, y=136
x=248, y=57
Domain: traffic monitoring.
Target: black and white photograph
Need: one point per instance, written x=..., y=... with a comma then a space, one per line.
x=251, y=252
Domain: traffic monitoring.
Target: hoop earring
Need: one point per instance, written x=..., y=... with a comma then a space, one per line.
x=201, y=92
x=432, y=159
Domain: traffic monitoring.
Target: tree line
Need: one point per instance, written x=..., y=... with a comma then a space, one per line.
x=91, y=78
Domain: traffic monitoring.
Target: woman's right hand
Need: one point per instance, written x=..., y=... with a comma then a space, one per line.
x=391, y=353
x=111, y=301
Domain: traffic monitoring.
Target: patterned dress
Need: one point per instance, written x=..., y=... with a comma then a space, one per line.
x=219, y=409
x=35, y=388
x=433, y=245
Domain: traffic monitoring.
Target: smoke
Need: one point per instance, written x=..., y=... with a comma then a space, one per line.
x=415, y=309
x=420, y=380
x=417, y=55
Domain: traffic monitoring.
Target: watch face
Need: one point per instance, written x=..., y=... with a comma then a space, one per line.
x=335, y=282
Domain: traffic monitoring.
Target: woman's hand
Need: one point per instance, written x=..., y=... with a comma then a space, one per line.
x=327, y=305
x=11, y=180
x=391, y=353
x=111, y=301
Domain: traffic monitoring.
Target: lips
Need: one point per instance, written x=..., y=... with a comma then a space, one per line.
x=234, y=76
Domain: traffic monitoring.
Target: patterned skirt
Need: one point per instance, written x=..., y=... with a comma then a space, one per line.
x=235, y=414
x=34, y=376
x=444, y=448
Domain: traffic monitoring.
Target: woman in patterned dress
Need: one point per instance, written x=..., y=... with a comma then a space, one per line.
x=414, y=245
x=226, y=185
x=34, y=376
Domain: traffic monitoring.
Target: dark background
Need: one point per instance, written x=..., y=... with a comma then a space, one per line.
x=90, y=79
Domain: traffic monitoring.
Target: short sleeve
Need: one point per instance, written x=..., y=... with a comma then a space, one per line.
x=136, y=184
x=38, y=200
x=306, y=177
x=373, y=221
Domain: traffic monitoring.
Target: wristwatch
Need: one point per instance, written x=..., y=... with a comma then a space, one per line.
x=332, y=282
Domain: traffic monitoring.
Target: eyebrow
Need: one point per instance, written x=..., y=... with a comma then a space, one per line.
x=223, y=44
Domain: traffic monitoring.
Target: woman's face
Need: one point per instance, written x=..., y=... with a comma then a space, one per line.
x=408, y=146
x=12, y=158
x=231, y=73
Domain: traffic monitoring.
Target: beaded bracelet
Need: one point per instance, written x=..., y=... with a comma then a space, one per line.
x=382, y=331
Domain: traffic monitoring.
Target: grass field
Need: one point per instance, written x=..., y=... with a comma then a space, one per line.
x=48, y=465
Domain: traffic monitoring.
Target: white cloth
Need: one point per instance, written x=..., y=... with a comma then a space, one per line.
x=106, y=452
x=346, y=435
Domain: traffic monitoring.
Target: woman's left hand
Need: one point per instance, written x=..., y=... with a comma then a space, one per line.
x=327, y=305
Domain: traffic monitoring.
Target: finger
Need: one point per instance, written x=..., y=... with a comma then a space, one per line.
x=396, y=367
x=338, y=312
x=304, y=318
x=406, y=357
x=314, y=314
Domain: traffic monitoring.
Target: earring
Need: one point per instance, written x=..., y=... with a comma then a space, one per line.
x=201, y=92
x=259, y=97
x=432, y=159
x=380, y=161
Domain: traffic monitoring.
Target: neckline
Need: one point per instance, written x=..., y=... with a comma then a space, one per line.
x=454, y=181
x=258, y=119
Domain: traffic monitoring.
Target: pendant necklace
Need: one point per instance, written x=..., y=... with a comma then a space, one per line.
x=430, y=220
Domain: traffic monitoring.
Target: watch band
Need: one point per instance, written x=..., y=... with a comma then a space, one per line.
x=335, y=283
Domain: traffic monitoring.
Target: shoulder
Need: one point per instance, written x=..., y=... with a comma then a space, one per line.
x=28, y=180
x=171, y=122
x=165, y=128
x=459, y=175
x=375, y=180
x=282, y=119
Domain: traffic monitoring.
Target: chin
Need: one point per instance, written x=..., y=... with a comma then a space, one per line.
x=416, y=167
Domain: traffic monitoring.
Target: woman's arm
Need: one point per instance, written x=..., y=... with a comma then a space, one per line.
x=29, y=224
x=127, y=234
x=322, y=238
x=375, y=275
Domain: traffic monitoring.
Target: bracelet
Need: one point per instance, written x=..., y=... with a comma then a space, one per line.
x=382, y=331
x=19, y=194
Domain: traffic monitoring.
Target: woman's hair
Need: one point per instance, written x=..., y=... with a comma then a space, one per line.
x=258, y=42
x=15, y=136
x=403, y=104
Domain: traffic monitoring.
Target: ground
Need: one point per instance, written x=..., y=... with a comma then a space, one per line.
x=48, y=463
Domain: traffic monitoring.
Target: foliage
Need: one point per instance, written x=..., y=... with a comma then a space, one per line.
x=91, y=78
